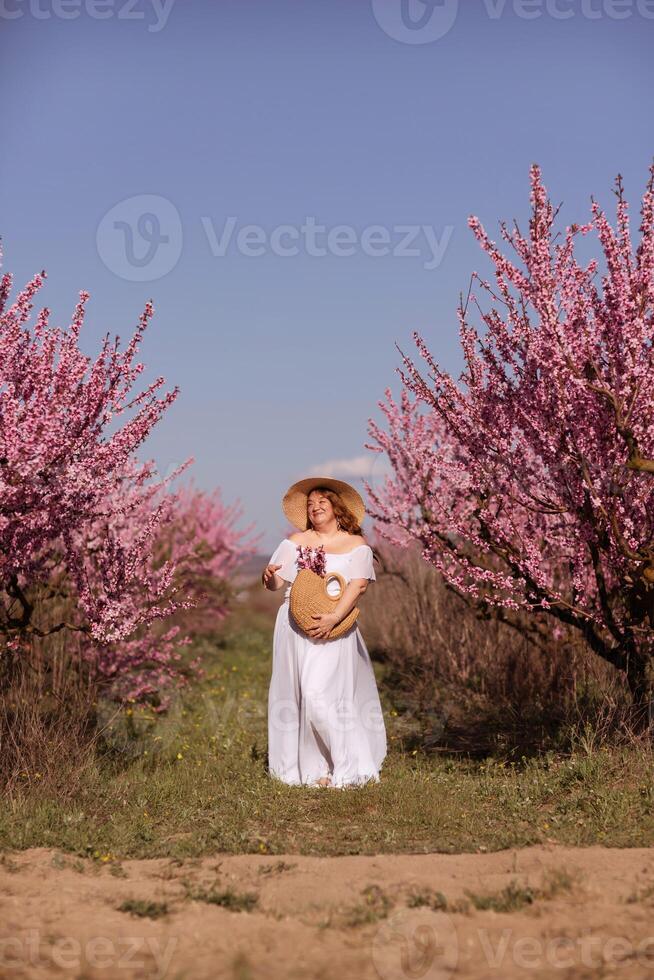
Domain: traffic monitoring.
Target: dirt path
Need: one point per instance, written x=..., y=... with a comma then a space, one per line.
x=346, y=918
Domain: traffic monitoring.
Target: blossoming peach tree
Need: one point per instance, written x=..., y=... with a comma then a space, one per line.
x=207, y=546
x=82, y=522
x=529, y=481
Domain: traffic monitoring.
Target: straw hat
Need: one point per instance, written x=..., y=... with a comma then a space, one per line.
x=294, y=503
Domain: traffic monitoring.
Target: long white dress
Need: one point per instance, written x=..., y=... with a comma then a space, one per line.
x=324, y=713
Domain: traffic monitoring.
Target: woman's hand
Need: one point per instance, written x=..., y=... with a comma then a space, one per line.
x=268, y=574
x=324, y=625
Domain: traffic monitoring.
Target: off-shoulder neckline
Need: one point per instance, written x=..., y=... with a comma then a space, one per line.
x=336, y=554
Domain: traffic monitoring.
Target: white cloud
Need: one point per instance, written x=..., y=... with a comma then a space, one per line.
x=361, y=467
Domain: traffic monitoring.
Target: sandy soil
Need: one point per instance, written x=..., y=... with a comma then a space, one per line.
x=59, y=917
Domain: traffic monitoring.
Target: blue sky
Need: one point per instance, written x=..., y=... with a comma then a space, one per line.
x=184, y=150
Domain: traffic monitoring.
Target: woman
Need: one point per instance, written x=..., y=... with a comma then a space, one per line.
x=325, y=723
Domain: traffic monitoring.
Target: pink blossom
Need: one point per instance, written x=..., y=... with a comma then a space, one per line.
x=312, y=558
x=528, y=480
x=81, y=520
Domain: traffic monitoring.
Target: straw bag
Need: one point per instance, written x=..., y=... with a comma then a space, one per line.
x=309, y=596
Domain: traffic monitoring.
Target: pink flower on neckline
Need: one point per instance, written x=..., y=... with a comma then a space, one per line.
x=313, y=559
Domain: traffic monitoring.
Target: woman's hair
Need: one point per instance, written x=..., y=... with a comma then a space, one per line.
x=343, y=514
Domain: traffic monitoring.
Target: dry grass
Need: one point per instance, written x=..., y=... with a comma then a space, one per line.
x=48, y=721
x=471, y=683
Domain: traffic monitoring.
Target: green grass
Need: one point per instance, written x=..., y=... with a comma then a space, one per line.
x=225, y=897
x=375, y=905
x=427, y=898
x=194, y=782
x=144, y=909
x=512, y=898
x=515, y=896
x=277, y=868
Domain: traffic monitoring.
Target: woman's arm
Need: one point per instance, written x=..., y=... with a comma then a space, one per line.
x=325, y=622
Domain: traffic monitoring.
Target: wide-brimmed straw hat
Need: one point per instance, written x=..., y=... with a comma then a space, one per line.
x=294, y=502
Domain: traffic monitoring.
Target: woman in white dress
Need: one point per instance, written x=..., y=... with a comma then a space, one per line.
x=325, y=722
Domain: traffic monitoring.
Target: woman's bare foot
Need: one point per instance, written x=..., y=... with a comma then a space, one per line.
x=324, y=781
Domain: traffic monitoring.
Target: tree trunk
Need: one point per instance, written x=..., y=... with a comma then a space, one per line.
x=640, y=677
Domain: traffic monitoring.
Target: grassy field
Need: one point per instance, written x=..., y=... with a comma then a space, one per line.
x=194, y=782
